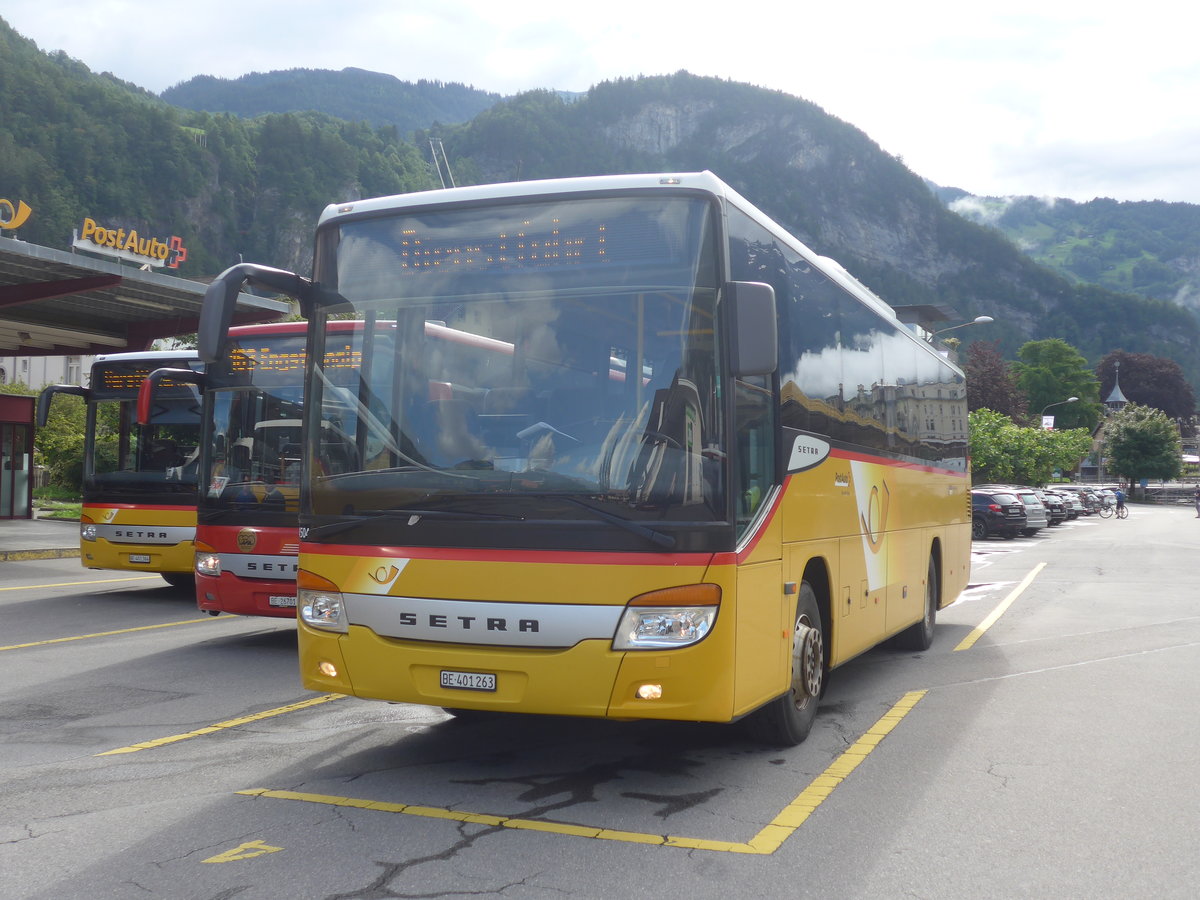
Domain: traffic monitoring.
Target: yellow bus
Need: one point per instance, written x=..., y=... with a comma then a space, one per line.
x=139, y=481
x=617, y=447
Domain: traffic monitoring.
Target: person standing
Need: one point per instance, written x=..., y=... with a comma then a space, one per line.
x=1197, y=500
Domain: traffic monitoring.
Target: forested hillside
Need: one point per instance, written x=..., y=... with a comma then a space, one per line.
x=1150, y=248
x=352, y=94
x=76, y=144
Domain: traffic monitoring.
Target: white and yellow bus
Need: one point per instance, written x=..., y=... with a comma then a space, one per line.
x=139, y=481
x=617, y=447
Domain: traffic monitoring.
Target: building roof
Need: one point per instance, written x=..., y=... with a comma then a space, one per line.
x=55, y=303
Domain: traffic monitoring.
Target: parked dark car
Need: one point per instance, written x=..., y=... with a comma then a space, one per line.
x=996, y=512
x=1056, y=510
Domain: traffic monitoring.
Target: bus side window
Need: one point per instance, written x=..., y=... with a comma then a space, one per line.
x=755, y=440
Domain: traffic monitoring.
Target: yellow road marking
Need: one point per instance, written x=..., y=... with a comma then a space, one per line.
x=767, y=841
x=31, y=587
x=222, y=726
x=100, y=634
x=969, y=641
x=248, y=850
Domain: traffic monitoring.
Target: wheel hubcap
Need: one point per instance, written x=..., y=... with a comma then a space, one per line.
x=808, y=656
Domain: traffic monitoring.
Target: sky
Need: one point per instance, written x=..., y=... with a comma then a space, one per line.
x=1057, y=98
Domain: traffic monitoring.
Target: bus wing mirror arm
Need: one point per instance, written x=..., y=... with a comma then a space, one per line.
x=47, y=394
x=754, y=346
x=221, y=297
x=145, y=400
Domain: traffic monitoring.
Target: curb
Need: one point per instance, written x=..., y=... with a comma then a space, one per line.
x=14, y=555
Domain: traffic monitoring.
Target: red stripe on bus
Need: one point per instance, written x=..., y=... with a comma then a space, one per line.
x=100, y=504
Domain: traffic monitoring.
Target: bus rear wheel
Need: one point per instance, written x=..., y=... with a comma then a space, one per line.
x=787, y=720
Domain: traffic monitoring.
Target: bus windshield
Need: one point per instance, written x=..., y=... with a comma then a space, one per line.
x=538, y=358
x=256, y=407
x=255, y=461
x=125, y=459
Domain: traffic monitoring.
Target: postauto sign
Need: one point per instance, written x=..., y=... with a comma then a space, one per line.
x=128, y=244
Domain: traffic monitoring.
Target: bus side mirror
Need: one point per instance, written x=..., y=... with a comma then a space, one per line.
x=47, y=394
x=220, y=301
x=754, y=346
x=145, y=401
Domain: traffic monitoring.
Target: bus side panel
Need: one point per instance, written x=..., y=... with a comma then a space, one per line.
x=956, y=558
x=907, y=558
x=139, y=538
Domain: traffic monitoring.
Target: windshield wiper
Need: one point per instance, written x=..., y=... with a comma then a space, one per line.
x=665, y=541
x=409, y=516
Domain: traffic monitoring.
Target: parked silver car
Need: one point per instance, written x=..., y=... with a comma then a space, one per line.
x=1036, y=515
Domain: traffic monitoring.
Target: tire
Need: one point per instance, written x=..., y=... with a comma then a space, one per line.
x=1105, y=512
x=979, y=531
x=919, y=636
x=181, y=581
x=787, y=720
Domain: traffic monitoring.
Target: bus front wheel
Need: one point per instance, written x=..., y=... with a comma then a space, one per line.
x=787, y=720
x=181, y=581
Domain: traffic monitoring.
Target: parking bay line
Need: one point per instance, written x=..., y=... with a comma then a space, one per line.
x=32, y=587
x=976, y=633
x=766, y=842
x=100, y=634
x=222, y=726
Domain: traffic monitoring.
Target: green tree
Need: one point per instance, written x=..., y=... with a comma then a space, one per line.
x=1142, y=442
x=1003, y=451
x=1051, y=371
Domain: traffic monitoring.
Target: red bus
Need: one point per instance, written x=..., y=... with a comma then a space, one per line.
x=247, y=543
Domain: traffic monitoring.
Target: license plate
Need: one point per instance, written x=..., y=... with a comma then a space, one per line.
x=469, y=681
x=281, y=601
x=139, y=557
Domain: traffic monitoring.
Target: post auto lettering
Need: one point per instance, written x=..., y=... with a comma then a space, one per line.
x=167, y=250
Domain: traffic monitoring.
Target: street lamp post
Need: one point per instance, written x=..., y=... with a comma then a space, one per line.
x=978, y=320
x=1048, y=421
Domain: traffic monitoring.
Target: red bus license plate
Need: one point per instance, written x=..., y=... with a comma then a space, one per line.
x=281, y=601
x=469, y=681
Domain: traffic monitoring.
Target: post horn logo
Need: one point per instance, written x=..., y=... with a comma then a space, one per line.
x=384, y=575
x=247, y=540
x=13, y=217
x=874, y=521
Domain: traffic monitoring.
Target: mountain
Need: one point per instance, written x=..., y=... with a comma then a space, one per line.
x=1150, y=248
x=78, y=144
x=833, y=187
x=352, y=94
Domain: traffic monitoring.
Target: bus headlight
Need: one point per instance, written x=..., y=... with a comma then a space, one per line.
x=320, y=602
x=208, y=564
x=675, y=617
x=87, y=532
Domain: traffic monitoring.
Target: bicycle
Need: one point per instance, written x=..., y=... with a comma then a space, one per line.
x=1106, y=511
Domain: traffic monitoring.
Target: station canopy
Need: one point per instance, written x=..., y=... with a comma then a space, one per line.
x=55, y=303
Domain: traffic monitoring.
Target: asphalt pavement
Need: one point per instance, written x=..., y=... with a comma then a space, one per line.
x=38, y=539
